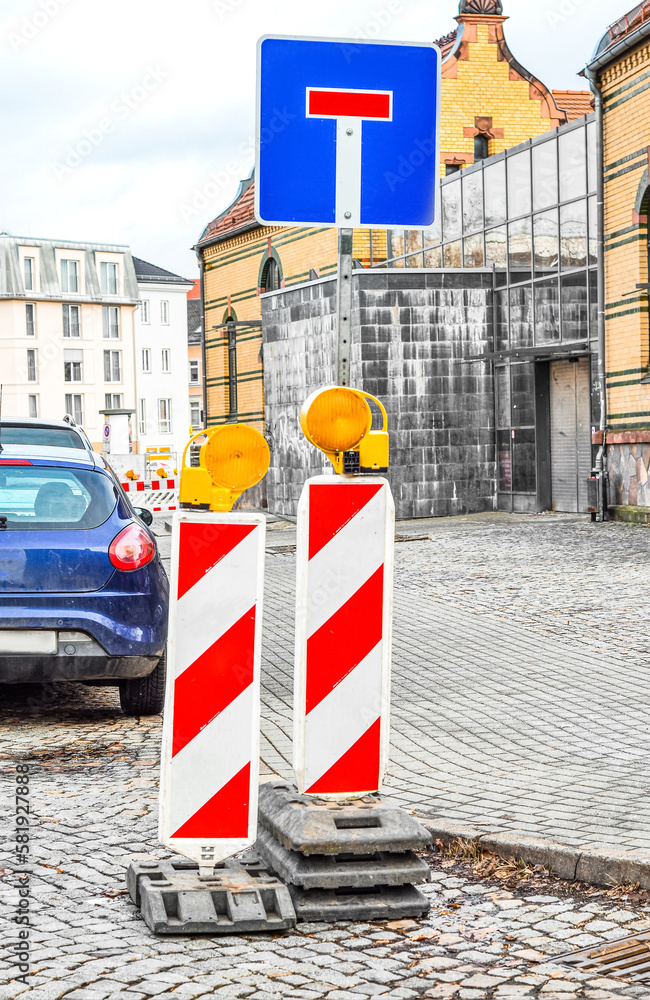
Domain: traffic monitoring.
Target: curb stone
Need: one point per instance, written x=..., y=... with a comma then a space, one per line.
x=606, y=866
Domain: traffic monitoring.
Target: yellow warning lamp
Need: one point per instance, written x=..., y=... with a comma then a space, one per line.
x=232, y=458
x=339, y=422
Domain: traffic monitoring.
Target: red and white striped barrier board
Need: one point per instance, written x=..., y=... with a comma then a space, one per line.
x=210, y=754
x=148, y=485
x=159, y=495
x=346, y=535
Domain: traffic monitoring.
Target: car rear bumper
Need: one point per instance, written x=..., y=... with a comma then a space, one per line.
x=60, y=667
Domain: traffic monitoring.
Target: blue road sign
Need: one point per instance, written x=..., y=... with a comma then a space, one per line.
x=347, y=133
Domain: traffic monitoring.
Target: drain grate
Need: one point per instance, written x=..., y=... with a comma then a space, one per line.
x=626, y=958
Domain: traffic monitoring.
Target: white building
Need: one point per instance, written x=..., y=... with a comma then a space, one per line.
x=162, y=368
x=67, y=340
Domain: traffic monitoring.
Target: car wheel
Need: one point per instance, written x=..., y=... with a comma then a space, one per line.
x=145, y=695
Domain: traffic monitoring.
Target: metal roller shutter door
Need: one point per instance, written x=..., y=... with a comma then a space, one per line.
x=570, y=434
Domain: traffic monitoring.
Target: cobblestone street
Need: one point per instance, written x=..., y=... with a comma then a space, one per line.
x=520, y=701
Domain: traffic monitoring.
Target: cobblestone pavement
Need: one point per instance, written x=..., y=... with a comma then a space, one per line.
x=499, y=718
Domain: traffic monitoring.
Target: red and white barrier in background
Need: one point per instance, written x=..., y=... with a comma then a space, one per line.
x=210, y=754
x=346, y=535
x=158, y=494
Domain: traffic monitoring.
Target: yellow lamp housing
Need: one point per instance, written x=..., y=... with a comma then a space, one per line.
x=233, y=457
x=338, y=421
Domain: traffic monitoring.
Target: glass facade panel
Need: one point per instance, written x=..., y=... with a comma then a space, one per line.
x=496, y=247
x=547, y=247
x=523, y=395
x=412, y=240
x=503, y=397
x=519, y=184
x=547, y=312
x=593, y=304
x=505, y=461
x=523, y=461
x=451, y=215
x=473, y=202
x=520, y=250
x=573, y=234
x=545, y=184
x=432, y=235
x=433, y=257
x=501, y=321
x=593, y=231
x=592, y=157
x=573, y=164
x=495, y=193
x=396, y=241
x=473, y=251
x=453, y=255
x=521, y=316
x=575, y=308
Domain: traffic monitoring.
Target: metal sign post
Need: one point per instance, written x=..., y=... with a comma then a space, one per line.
x=344, y=307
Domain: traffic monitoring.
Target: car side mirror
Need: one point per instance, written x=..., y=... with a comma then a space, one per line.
x=145, y=515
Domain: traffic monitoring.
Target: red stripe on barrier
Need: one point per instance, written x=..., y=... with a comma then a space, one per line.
x=356, y=770
x=329, y=512
x=139, y=487
x=202, y=546
x=342, y=104
x=225, y=814
x=340, y=645
x=213, y=681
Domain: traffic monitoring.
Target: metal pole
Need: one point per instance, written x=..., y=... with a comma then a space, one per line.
x=232, y=370
x=344, y=307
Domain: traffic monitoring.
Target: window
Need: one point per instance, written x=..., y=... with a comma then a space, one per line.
x=164, y=312
x=195, y=413
x=112, y=366
x=28, y=273
x=113, y=401
x=144, y=311
x=74, y=407
x=108, y=278
x=146, y=359
x=452, y=168
x=31, y=367
x=70, y=275
x=271, y=278
x=30, y=319
x=33, y=406
x=164, y=416
x=71, y=321
x=111, y=322
x=166, y=359
x=73, y=366
x=142, y=416
x=34, y=498
x=481, y=147
x=194, y=372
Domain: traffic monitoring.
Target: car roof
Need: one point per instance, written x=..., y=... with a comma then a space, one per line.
x=43, y=454
x=38, y=422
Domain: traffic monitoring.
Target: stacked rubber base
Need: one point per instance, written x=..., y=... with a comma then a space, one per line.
x=239, y=897
x=350, y=860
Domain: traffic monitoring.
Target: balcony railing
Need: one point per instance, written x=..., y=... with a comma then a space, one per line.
x=629, y=22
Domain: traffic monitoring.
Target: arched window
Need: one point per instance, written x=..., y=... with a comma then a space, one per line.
x=481, y=147
x=270, y=276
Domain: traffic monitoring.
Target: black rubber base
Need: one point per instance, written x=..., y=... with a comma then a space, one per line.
x=385, y=902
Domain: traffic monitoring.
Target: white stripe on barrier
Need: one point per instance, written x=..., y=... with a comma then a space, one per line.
x=335, y=725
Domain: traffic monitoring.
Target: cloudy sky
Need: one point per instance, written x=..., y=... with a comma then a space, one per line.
x=131, y=121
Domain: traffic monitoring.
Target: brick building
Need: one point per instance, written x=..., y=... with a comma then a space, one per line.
x=489, y=103
x=620, y=76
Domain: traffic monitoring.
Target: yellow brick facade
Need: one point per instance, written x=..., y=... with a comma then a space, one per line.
x=625, y=86
x=482, y=88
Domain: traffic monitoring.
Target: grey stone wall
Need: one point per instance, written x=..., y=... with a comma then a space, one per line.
x=410, y=330
x=627, y=470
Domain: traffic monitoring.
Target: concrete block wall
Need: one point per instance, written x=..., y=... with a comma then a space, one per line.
x=410, y=331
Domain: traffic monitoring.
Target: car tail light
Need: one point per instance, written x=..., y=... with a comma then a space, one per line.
x=13, y=461
x=132, y=549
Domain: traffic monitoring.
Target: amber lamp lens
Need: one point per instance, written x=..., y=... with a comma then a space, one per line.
x=237, y=457
x=338, y=419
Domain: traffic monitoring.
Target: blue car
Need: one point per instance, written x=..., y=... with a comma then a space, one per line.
x=83, y=593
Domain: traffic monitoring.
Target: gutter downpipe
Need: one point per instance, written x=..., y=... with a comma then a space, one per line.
x=203, y=349
x=601, y=458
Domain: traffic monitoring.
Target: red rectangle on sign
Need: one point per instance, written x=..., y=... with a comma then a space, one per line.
x=349, y=104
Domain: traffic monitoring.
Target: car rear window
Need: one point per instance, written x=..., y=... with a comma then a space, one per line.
x=33, y=497
x=53, y=437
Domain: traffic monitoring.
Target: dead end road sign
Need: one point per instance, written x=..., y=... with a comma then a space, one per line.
x=347, y=133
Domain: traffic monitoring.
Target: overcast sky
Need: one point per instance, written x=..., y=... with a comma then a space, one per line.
x=131, y=121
